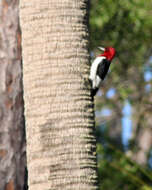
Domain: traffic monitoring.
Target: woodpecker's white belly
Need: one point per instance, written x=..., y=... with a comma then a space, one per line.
x=96, y=80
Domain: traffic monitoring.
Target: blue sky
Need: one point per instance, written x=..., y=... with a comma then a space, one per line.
x=126, y=123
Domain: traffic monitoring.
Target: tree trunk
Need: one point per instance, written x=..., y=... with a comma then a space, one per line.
x=144, y=145
x=142, y=135
x=12, y=136
x=59, y=112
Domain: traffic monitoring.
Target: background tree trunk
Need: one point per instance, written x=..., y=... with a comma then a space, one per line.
x=58, y=108
x=142, y=136
x=12, y=136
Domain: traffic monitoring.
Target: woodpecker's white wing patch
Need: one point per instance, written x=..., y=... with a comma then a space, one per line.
x=98, y=82
x=93, y=72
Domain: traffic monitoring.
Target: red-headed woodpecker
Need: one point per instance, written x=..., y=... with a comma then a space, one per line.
x=100, y=67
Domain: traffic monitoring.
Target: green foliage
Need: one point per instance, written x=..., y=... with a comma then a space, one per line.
x=127, y=26
x=119, y=172
x=117, y=22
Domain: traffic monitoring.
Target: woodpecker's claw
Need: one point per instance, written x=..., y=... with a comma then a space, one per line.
x=102, y=48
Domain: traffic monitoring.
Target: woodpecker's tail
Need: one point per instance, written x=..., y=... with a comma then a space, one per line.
x=93, y=92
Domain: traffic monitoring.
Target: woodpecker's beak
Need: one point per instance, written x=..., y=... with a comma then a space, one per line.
x=101, y=48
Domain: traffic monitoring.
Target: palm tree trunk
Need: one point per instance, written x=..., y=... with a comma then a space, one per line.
x=58, y=108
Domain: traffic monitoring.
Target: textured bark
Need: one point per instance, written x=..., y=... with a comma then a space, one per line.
x=12, y=136
x=58, y=108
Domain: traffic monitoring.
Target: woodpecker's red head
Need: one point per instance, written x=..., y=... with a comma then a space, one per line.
x=109, y=53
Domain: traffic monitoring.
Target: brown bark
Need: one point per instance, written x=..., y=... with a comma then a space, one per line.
x=143, y=137
x=58, y=107
x=144, y=145
x=12, y=136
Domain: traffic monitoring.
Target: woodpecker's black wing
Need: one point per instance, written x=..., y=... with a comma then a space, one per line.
x=103, y=68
